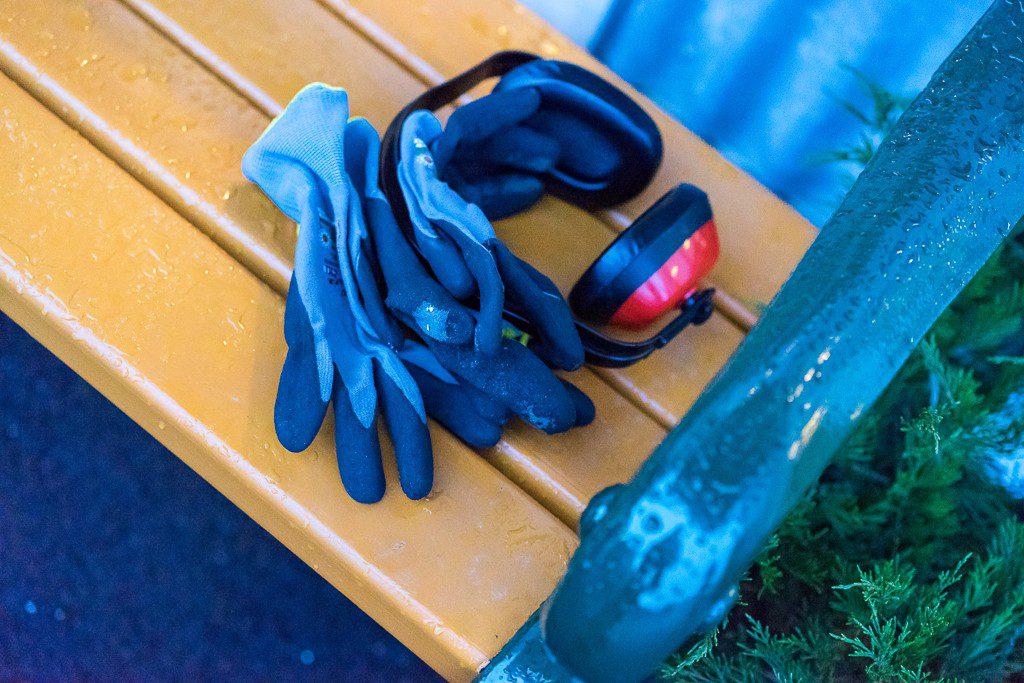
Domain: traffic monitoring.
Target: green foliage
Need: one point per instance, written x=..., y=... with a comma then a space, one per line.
x=876, y=120
x=906, y=562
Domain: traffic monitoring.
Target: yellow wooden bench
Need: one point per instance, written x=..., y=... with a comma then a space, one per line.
x=133, y=248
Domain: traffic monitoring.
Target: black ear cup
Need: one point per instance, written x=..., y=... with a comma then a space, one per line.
x=611, y=148
x=653, y=266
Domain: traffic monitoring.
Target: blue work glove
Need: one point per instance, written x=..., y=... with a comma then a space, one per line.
x=458, y=241
x=496, y=150
x=512, y=384
x=471, y=394
x=345, y=347
x=509, y=381
x=299, y=413
x=490, y=158
x=337, y=329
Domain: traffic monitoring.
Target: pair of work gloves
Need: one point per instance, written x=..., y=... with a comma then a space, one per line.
x=373, y=330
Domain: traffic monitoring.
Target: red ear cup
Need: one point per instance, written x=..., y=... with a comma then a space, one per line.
x=654, y=266
x=673, y=283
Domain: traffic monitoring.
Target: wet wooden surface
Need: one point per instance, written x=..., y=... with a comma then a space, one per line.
x=133, y=248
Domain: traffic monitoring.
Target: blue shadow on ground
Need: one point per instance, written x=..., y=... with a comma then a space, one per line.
x=116, y=558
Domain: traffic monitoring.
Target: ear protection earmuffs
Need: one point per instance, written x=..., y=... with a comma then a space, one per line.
x=576, y=136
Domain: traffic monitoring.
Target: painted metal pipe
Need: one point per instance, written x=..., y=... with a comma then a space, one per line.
x=662, y=555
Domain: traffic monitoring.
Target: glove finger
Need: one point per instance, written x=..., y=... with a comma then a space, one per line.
x=500, y=173
x=299, y=409
x=420, y=358
x=481, y=119
x=411, y=291
x=369, y=290
x=498, y=194
x=543, y=351
x=539, y=300
x=358, y=450
x=424, y=298
x=433, y=200
x=585, y=411
x=453, y=406
x=480, y=260
x=411, y=439
x=441, y=252
x=516, y=378
x=488, y=408
x=586, y=153
x=519, y=148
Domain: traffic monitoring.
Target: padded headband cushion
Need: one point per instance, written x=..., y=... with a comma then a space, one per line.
x=610, y=147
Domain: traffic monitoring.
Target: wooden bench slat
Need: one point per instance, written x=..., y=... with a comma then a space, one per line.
x=565, y=470
x=763, y=238
x=148, y=136
x=178, y=117
x=665, y=386
x=153, y=109
x=560, y=238
x=541, y=235
x=248, y=34
x=188, y=343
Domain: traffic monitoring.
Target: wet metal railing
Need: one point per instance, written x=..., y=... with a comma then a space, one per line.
x=661, y=556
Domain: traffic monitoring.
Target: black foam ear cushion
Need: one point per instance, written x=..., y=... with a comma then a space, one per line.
x=612, y=147
x=639, y=252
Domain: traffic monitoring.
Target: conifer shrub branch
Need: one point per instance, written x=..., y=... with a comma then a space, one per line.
x=906, y=561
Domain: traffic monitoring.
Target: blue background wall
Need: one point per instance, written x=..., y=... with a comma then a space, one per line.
x=761, y=79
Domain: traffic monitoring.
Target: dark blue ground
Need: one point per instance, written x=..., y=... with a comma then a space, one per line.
x=116, y=560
